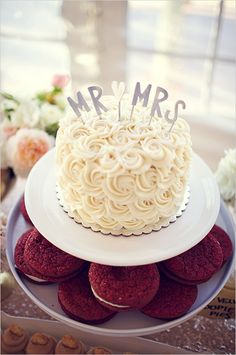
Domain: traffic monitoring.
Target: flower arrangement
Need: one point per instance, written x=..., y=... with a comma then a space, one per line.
x=226, y=176
x=28, y=126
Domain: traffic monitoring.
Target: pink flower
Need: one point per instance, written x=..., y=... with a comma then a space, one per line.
x=26, y=147
x=60, y=81
x=8, y=129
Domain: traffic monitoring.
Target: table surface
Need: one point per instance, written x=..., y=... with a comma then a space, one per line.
x=199, y=334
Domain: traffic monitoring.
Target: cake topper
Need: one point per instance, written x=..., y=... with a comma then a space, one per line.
x=81, y=103
x=118, y=91
x=155, y=106
x=167, y=113
x=141, y=96
x=138, y=95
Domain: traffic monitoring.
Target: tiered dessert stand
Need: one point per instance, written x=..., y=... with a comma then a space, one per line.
x=203, y=210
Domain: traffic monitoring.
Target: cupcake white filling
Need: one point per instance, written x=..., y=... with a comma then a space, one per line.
x=35, y=278
x=109, y=303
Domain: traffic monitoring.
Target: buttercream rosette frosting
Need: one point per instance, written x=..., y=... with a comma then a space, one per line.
x=122, y=176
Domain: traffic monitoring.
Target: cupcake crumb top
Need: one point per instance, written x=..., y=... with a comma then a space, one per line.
x=69, y=342
x=39, y=339
x=16, y=330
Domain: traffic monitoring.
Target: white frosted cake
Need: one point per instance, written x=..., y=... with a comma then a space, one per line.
x=122, y=176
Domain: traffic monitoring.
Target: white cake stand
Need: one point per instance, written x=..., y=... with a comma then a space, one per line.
x=124, y=324
x=55, y=225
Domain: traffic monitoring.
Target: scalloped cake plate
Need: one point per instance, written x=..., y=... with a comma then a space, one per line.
x=55, y=225
x=123, y=324
x=145, y=230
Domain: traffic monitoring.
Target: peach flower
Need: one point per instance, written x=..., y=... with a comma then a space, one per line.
x=26, y=147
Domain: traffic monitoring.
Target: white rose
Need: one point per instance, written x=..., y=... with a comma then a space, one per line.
x=60, y=101
x=226, y=173
x=26, y=114
x=26, y=147
x=50, y=114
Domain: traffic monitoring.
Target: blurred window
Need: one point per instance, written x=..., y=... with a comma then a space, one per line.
x=188, y=46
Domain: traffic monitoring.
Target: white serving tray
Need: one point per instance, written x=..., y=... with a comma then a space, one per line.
x=117, y=345
x=124, y=324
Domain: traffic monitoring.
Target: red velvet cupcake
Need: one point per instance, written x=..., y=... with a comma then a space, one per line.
x=78, y=302
x=172, y=300
x=20, y=263
x=224, y=240
x=196, y=265
x=52, y=263
x=124, y=288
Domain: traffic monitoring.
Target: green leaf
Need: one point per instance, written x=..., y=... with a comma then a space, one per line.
x=7, y=96
x=56, y=90
x=7, y=112
x=42, y=96
x=52, y=129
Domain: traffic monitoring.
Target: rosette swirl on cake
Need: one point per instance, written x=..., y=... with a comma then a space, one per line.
x=122, y=176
